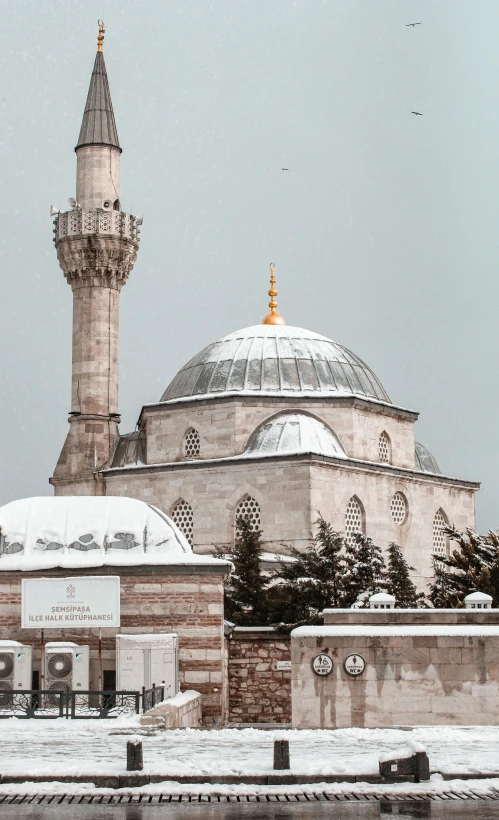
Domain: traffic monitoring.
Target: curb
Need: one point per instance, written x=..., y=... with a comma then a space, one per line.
x=134, y=781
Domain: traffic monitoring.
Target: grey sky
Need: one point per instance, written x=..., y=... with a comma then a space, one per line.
x=384, y=231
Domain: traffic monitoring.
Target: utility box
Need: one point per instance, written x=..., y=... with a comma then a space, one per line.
x=15, y=670
x=66, y=667
x=144, y=660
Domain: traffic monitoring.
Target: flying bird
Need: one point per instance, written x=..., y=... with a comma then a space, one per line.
x=412, y=24
x=417, y=113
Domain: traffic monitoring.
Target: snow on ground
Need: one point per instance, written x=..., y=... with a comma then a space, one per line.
x=436, y=785
x=91, y=747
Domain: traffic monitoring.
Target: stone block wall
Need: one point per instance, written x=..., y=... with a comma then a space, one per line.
x=184, y=711
x=225, y=425
x=188, y=601
x=258, y=691
x=413, y=676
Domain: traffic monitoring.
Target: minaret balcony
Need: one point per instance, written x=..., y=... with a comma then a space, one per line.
x=78, y=222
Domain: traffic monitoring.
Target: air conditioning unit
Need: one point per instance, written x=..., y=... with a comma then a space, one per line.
x=142, y=660
x=66, y=667
x=15, y=670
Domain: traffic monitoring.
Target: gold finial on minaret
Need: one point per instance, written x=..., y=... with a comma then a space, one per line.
x=100, y=37
x=273, y=318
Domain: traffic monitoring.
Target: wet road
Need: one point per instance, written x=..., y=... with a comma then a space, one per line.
x=459, y=810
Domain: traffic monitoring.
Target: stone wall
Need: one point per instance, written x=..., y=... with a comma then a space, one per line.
x=185, y=600
x=414, y=675
x=225, y=425
x=290, y=490
x=258, y=691
x=184, y=711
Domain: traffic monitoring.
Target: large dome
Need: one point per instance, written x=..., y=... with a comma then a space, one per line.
x=274, y=360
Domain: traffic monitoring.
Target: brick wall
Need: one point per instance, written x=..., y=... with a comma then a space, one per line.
x=258, y=691
x=188, y=601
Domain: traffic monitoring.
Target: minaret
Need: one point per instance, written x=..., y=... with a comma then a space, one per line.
x=96, y=245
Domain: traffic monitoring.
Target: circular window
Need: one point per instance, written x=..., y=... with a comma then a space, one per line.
x=399, y=509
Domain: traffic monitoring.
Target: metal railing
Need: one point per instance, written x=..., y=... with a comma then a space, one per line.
x=77, y=705
x=151, y=697
x=32, y=703
x=92, y=704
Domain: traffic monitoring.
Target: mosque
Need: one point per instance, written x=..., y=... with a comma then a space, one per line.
x=272, y=421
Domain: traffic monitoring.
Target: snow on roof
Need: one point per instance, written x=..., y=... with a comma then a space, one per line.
x=382, y=597
x=151, y=637
x=9, y=644
x=61, y=645
x=368, y=631
x=478, y=596
x=75, y=532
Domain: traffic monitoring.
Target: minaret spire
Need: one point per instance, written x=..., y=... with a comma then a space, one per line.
x=98, y=126
x=273, y=318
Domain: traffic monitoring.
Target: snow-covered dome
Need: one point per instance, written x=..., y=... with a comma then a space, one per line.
x=424, y=460
x=274, y=360
x=294, y=433
x=80, y=531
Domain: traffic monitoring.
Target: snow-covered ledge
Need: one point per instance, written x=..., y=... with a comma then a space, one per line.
x=180, y=712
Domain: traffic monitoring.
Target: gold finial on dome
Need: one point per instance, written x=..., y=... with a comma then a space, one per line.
x=100, y=37
x=273, y=318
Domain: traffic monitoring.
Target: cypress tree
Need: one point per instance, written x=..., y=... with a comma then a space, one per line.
x=398, y=581
x=364, y=571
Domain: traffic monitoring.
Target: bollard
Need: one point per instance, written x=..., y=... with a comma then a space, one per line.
x=134, y=757
x=281, y=754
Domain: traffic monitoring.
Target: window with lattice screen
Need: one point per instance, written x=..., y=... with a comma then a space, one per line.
x=440, y=540
x=399, y=509
x=182, y=515
x=384, y=448
x=354, y=519
x=249, y=508
x=192, y=443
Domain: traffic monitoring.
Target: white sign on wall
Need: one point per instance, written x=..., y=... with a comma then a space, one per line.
x=322, y=664
x=354, y=665
x=77, y=603
x=283, y=666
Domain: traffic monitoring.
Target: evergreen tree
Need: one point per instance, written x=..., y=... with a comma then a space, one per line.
x=473, y=566
x=364, y=571
x=246, y=588
x=398, y=581
x=312, y=582
x=442, y=592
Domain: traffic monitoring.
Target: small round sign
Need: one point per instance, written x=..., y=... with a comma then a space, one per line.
x=322, y=665
x=354, y=665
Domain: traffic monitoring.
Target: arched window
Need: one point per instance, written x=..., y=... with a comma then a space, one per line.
x=385, y=448
x=399, y=509
x=192, y=443
x=440, y=540
x=354, y=519
x=183, y=517
x=249, y=508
